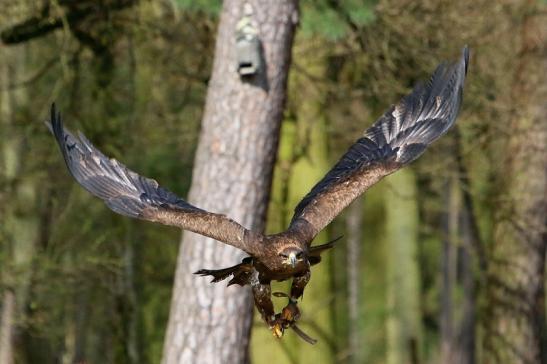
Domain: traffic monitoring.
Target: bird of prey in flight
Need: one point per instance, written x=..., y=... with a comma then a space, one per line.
x=397, y=138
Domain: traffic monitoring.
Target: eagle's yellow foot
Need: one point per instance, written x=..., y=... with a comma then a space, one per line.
x=287, y=319
x=278, y=328
x=290, y=313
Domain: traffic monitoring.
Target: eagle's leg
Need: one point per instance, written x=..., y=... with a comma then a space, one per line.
x=262, y=293
x=291, y=313
x=298, y=285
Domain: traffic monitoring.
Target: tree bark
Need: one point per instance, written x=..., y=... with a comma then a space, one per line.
x=210, y=323
x=515, y=292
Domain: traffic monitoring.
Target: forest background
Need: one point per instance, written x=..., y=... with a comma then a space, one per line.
x=436, y=260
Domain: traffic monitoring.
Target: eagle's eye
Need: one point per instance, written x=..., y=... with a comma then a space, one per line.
x=299, y=255
x=283, y=255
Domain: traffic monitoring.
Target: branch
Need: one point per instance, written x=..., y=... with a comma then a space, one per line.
x=33, y=27
x=38, y=26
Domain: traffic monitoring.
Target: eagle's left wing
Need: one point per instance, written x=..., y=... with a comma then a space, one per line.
x=397, y=138
x=130, y=194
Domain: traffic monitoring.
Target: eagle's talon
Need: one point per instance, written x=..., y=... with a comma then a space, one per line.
x=290, y=313
x=277, y=329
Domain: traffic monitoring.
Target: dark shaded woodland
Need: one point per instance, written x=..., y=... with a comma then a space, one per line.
x=443, y=262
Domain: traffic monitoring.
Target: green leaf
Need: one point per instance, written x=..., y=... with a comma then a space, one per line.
x=331, y=20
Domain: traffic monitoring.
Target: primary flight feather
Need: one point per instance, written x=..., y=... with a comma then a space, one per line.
x=396, y=139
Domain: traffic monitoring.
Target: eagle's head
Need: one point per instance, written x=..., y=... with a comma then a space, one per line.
x=292, y=255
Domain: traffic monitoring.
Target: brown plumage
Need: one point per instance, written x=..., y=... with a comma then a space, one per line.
x=397, y=138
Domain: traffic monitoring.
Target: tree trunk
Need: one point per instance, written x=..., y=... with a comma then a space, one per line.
x=403, y=321
x=8, y=157
x=354, y=221
x=21, y=220
x=460, y=240
x=211, y=323
x=448, y=270
x=7, y=326
x=472, y=260
x=465, y=349
x=515, y=312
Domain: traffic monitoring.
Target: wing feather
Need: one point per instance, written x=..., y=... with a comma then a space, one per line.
x=130, y=194
x=397, y=138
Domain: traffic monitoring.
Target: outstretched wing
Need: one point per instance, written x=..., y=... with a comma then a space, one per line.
x=130, y=194
x=397, y=138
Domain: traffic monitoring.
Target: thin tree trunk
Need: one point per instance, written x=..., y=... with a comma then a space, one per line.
x=472, y=259
x=403, y=322
x=465, y=349
x=132, y=247
x=232, y=175
x=131, y=309
x=354, y=271
x=21, y=223
x=8, y=161
x=515, y=292
x=460, y=241
x=448, y=271
x=6, y=327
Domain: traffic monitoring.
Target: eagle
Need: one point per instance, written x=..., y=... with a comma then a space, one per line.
x=393, y=141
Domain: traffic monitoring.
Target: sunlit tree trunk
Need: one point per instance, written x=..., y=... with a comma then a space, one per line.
x=310, y=130
x=515, y=314
x=232, y=175
x=318, y=301
x=403, y=290
x=302, y=162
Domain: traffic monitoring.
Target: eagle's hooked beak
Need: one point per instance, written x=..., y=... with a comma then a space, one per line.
x=292, y=259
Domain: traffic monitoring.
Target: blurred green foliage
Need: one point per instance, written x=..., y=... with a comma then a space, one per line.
x=335, y=19
x=207, y=6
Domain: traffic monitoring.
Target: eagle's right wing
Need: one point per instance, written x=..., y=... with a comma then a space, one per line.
x=130, y=194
